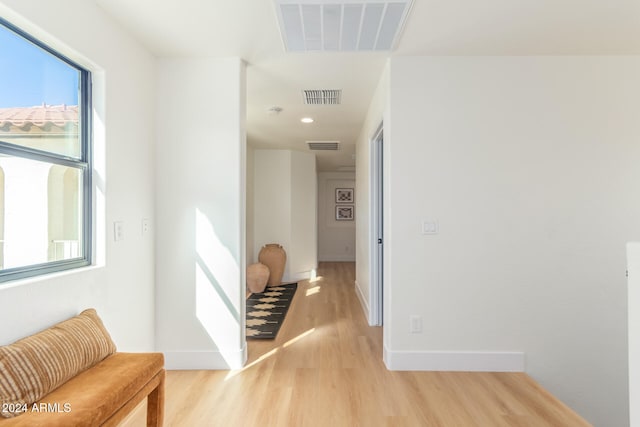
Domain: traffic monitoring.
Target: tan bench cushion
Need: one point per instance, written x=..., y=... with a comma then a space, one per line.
x=93, y=396
x=34, y=366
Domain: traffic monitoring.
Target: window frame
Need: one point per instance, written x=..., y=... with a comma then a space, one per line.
x=84, y=163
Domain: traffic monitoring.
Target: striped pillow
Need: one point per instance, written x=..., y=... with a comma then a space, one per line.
x=36, y=365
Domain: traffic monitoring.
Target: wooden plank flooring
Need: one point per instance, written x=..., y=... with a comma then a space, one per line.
x=325, y=369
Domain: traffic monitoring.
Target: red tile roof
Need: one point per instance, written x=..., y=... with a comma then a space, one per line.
x=40, y=116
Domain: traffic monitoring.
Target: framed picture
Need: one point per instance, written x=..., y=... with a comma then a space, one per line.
x=344, y=195
x=344, y=212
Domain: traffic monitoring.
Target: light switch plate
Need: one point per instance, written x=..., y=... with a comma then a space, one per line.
x=430, y=227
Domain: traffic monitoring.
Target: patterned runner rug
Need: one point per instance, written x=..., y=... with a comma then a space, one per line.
x=266, y=310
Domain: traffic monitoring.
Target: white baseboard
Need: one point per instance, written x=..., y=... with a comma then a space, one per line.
x=205, y=360
x=454, y=361
x=336, y=258
x=296, y=277
x=363, y=302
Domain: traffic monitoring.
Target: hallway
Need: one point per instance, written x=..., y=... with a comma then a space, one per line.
x=325, y=369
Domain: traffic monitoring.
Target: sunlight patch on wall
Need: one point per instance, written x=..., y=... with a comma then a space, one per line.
x=218, y=301
x=99, y=177
x=216, y=257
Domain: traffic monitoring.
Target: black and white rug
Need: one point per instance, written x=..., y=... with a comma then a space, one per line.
x=266, y=310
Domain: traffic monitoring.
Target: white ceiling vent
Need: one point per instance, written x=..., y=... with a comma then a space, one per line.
x=323, y=145
x=322, y=97
x=341, y=25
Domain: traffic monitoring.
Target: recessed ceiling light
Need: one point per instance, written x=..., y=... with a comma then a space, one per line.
x=306, y=120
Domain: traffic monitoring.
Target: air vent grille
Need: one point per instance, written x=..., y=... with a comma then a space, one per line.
x=341, y=25
x=323, y=145
x=322, y=97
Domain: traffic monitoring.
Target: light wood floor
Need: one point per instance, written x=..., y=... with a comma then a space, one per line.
x=325, y=369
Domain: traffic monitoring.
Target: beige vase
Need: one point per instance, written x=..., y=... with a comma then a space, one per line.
x=273, y=256
x=257, y=277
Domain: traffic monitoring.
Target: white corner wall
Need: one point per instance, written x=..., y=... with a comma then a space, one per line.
x=200, y=206
x=304, y=230
x=336, y=239
x=285, y=208
x=121, y=285
x=365, y=239
x=250, y=210
x=272, y=200
x=530, y=167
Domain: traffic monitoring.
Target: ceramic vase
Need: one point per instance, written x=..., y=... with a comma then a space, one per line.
x=257, y=277
x=274, y=257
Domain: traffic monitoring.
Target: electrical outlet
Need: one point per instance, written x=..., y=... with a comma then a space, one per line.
x=146, y=226
x=118, y=230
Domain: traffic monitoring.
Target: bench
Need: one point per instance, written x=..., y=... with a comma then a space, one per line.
x=102, y=394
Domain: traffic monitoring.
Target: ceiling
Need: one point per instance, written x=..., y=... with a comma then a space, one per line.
x=249, y=29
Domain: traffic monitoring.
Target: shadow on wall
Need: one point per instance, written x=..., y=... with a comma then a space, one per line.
x=218, y=300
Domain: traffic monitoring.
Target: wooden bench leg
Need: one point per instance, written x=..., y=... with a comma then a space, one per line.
x=155, y=405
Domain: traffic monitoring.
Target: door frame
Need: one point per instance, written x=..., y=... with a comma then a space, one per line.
x=376, y=231
x=633, y=283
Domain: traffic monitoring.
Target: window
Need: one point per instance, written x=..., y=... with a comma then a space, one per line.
x=45, y=158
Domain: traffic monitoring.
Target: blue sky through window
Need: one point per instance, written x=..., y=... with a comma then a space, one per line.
x=30, y=76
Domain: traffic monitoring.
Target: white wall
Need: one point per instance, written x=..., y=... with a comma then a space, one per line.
x=201, y=175
x=336, y=239
x=250, y=211
x=530, y=166
x=378, y=109
x=285, y=208
x=633, y=268
x=121, y=286
x=304, y=230
x=272, y=200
